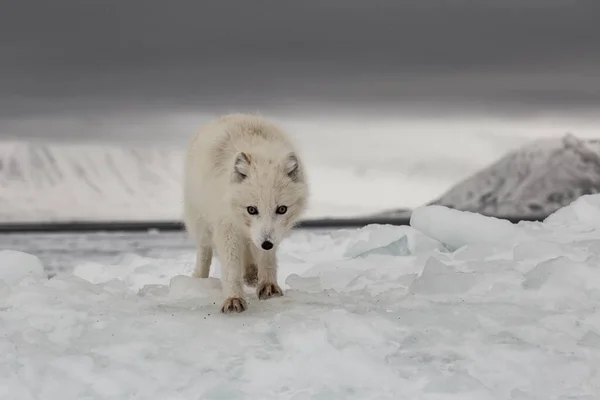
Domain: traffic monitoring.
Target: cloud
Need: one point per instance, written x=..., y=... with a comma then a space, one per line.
x=66, y=56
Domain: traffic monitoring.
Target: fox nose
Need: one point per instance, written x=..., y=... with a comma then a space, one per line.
x=266, y=245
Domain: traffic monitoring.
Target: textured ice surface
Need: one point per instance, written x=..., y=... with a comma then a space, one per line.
x=381, y=312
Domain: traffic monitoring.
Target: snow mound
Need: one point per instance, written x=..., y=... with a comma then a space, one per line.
x=16, y=266
x=537, y=179
x=509, y=312
x=459, y=228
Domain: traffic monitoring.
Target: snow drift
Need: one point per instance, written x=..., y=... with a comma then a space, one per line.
x=458, y=306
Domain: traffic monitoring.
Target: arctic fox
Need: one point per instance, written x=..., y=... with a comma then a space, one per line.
x=245, y=186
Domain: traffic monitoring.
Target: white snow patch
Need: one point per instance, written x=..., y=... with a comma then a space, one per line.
x=584, y=210
x=377, y=313
x=16, y=266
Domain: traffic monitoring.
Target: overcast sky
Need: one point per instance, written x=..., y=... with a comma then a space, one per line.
x=72, y=57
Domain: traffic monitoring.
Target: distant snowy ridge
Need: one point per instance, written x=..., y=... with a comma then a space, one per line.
x=94, y=182
x=91, y=182
x=99, y=182
x=536, y=179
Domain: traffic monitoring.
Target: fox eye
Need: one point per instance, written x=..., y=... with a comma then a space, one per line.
x=252, y=210
x=281, y=210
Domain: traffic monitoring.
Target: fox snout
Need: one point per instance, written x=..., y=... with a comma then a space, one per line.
x=267, y=233
x=265, y=240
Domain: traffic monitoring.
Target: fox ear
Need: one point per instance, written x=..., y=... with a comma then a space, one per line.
x=241, y=166
x=291, y=167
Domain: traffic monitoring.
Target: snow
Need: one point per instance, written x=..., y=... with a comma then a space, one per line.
x=584, y=210
x=16, y=266
x=454, y=227
x=453, y=307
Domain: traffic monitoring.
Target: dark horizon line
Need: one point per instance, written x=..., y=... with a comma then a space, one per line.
x=81, y=226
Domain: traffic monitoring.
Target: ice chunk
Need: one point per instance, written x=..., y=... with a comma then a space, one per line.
x=390, y=240
x=16, y=266
x=374, y=274
x=539, y=275
x=482, y=251
x=439, y=278
x=584, y=210
x=186, y=286
x=457, y=228
x=135, y=271
x=396, y=248
x=538, y=250
x=563, y=283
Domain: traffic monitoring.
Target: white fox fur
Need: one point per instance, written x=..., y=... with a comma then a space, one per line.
x=244, y=188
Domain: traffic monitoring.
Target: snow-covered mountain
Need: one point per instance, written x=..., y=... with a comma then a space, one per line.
x=40, y=182
x=538, y=178
x=97, y=182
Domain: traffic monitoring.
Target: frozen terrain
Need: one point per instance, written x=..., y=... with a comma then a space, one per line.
x=457, y=306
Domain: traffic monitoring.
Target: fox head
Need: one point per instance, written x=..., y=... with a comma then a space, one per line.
x=269, y=194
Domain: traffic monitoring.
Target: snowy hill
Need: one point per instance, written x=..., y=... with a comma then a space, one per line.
x=97, y=182
x=536, y=179
x=49, y=182
x=41, y=182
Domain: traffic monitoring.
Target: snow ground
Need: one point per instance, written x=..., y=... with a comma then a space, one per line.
x=458, y=306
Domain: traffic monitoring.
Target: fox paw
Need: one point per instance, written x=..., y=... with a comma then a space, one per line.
x=234, y=305
x=266, y=290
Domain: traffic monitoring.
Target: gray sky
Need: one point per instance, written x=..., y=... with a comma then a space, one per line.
x=72, y=57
